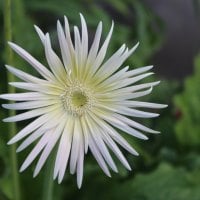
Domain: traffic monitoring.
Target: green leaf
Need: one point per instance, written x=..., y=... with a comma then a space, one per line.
x=166, y=182
x=188, y=126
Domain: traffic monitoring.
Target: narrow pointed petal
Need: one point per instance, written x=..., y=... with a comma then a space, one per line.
x=31, y=127
x=136, y=113
x=78, y=55
x=138, y=104
x=48, y=89
x=36, y=150
x=111, y=65
x=95, y=46
x=84, y=40
x=98, y=157
x=76, y=143
x=120, y=124
x=134, y=124
x=31, y=114
x=114, y=63
x=137, y=71
x=40, y=34
x=32, y=61
x=114, y=134
x=65, y=51
x=115, y=77
x=80, y=166
x=54, y=62
x=29, y=105
x=28, y=96
x=85, y=133
x=68, y=37
x=116, y=150
x=24, y=76
x=102, y=52
x=29, y=140
x=96, y=135
x=64, y=150
x=48, y=148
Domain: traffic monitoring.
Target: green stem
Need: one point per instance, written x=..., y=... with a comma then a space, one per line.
x=48, y=179
x=12, y=126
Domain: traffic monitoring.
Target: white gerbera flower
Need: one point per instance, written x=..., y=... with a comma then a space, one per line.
x=80, y=102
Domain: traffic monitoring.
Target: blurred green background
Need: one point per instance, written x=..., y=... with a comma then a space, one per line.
x=168, y=167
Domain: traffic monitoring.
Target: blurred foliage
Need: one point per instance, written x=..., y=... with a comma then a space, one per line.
x=188, y=127
x=161, y=171
x=166, y=182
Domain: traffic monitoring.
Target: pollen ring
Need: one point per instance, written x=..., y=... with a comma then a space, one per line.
x=77, y=99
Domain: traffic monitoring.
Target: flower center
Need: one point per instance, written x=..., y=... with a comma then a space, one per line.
x=77, y=99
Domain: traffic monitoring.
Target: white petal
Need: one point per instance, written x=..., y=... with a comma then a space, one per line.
x=116, y=150
x=27, y=96
x=84, y=39
x=102, y=52
x=135, y=88
x=130, y=51
x=127, y=111
x=31, y=114
x=50, y=145
x=68, y=38
x=80, y=166
x=29, y=140
x=117, y=87
x=54, y=61
x=137, y=71
x=95, y=46
x=44, y=128
x=134, y=124
x=135, y=113
x=64, y=48
x=64, y=150
x=96, y=135
x=135, y=94
x=80, y=162
x=116, y=77
x=24, y=76
x=40, y=33
x=36, y=150
x=120, y=124
x=76, y=142
x=78, y=55
x=98, y=157
x=32, y=61
x=31, y=127
x=29, y=105
x=112, y=63
x=49, y=89
x=120, y=140
x=114, y=134
x=120, y=95
x=85, y=132
x=136, y=104
x=129, y=81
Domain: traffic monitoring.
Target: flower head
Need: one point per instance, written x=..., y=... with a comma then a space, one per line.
x=80, y=102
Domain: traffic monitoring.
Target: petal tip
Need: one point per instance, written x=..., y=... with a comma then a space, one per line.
x=10, y=142
x=22, y=168
x=6, y=120
x=164, y=106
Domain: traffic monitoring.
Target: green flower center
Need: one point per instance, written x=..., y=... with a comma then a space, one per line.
x=78, y=99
